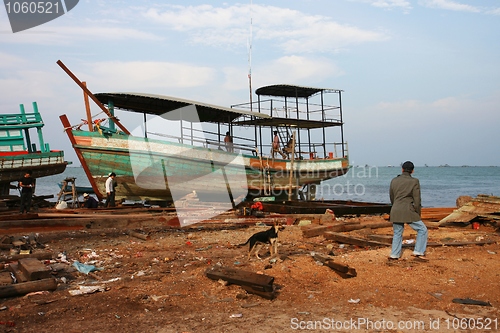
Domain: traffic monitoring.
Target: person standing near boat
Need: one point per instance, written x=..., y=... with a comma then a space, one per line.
x=228, y=142
x=406, y=202
x=110, y=190
x=276, y=145
x=27, y=183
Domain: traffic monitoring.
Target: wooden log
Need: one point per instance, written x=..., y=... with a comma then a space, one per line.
x=340, y=238
x=343, y=270
x=38, y=255
x=309, y=231
x=387, y=239
x=139, y=235
x=265, y=294
x=260, y=284
x=20, y=289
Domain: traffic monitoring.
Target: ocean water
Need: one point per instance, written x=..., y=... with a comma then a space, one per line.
x=440, y=186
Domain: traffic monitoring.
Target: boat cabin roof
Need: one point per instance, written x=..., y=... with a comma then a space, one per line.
x=288, y=122
x=173, y=108
x=288, y=90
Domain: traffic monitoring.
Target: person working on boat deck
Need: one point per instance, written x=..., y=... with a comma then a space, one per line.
x=27, y=183
x=276, y=145
x=110, y=190
x=405, y=198
x=89, y=202
x=288, y=149
x=228, y=142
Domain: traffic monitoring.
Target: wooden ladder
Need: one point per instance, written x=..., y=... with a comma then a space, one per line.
x=64, y=192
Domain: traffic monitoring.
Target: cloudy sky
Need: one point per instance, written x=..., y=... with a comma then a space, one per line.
x=421, y=78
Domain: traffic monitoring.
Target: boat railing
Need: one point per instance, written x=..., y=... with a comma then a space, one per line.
x=33, y=119
x=312, y=151
x=208, y=139
x=297, y=109
x=31, y=160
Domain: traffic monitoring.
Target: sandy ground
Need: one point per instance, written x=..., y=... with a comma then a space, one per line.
x=159, y=285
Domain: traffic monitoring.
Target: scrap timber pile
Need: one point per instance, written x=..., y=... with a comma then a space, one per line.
x=145, y=273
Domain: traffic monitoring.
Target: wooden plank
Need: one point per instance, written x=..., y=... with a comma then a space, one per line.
x=340, y=238
x=458, y=216
x=258, y=282
x=314, y=230
x=387, y=239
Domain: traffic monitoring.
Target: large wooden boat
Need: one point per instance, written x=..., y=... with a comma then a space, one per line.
x=19, y=153
x=177, y=145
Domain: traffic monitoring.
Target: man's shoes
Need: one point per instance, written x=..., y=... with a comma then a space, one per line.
x=420, y=258
x=392, y=259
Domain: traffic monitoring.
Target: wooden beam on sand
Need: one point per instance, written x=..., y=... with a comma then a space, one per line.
x=313, y=230
x=20, y=289
x=129, y=221
x=343, y=239
x=259, y=284
x=343, y=270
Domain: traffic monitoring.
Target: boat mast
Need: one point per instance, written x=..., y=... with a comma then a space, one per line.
x=250, y=58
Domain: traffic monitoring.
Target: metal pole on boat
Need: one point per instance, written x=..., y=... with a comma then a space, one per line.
x=323, y=118
x=26, y=130
x=341, y=124
x=43, y=148
x=96, y=101
x=292, y=160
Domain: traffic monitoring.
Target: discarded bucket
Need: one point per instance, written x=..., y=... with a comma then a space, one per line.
x=475, y=225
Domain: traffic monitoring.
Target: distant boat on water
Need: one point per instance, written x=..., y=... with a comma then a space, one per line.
x=19, y=153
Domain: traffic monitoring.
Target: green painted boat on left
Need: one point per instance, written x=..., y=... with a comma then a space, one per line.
x=18, y=152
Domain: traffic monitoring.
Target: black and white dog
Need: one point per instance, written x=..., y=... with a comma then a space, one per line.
x=261, y=238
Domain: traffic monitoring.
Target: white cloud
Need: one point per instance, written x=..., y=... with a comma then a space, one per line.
x=57, y=35
x=297, y=70
x=144, y=76
x=293, y=30
x=10, y=61
x=389, y=4
x=495, y=11
x=449, y=5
